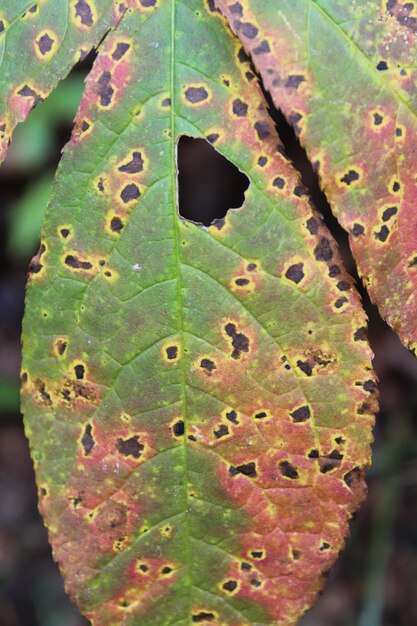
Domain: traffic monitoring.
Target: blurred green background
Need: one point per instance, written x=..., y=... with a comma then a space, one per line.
x=375, y=580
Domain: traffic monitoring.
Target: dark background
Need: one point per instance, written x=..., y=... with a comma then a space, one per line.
x=375, y=580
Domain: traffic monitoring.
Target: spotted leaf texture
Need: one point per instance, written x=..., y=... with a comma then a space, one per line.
x=39, y=43
x=199, y=401
x=344, y=74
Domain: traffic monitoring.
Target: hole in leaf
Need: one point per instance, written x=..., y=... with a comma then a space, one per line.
x=209, y=184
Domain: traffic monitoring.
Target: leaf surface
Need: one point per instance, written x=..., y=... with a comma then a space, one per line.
x=39, y=44
x=344, y=75
x=199, y=401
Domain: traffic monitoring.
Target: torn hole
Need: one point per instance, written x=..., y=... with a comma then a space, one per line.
x=209, y=185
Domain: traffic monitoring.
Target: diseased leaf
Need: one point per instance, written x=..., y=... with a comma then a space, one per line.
x=199, y=401
x=40, y=41
x=344, y=75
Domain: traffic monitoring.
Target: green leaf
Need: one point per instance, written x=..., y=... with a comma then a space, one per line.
x=199, y=401
x=343, y=73
x=39, y=43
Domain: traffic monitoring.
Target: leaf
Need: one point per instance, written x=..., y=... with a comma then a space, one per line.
x=199, y=401
x=39, y=43
x=343, y=74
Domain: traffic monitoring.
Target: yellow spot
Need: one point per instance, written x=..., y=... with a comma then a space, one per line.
x=166, y=530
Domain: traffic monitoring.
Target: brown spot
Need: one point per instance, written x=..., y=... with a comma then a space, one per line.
x=247, y=469
x=312, y=225
x=382, y=235
x=236, y=9
x=262, y=161
x=340, y=302
x=134, y=166
x=45, y=43
x=116, y=224
x=388, y=213
x=358, y=230
x=361, y=334
x=242, y=282
x=120, y=50
x=84, y=12
x=263, y=48
x=106, y=91
x=313, y=454
x=261, y=415
x=87, y=440
x=262, y=130
x=251, y=267
x=246, y=29
x=79, y=371
x=207, y=365
x=378, y=119
x=240, y=342
x=75, y=263
x=203, y=616
x=305, y=367
x=382, y=66
x=239, y=108
x=294, y=81
x=232, y=416
x=295, y=273
x=178, y=428
x=172, y=353
x=166, y=102
x=343, y=285
x=278, y=182
x=130, y=447
x=222, y=431
x=334, y=271
x=288, y=470
x=350, y=177
x=230, y=586
x=353, y=477
x=196, y=94
x=130, y=192
x=28, y=92
x=213, y=137
x=323, y=251
x=301, y=415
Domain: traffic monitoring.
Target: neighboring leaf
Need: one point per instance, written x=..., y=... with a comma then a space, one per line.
x=344, y=75
x=27, y=217
x=35, y=141
x=39, y=44
x=199, y=401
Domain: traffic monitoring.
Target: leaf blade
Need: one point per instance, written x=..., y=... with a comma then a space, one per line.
x=177, y=388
